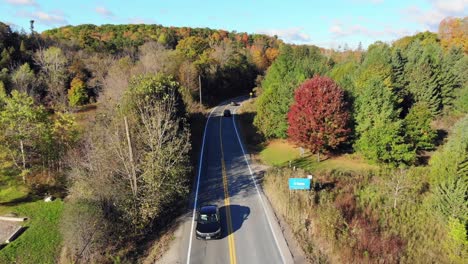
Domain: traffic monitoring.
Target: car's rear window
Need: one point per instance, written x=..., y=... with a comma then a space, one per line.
x=208, y=218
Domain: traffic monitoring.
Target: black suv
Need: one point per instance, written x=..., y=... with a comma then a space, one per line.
x=208, y=222
x=227, y=113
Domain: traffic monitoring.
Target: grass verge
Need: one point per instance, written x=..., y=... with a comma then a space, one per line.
x=280, y=153
x=40, y=242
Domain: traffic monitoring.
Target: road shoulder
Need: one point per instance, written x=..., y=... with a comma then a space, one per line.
x=292, y=246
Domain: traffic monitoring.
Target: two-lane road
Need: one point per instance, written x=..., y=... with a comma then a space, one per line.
x=250, y=233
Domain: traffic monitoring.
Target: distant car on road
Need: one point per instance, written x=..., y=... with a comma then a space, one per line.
x=227, y=113
x=208, y=222
x=234, y=103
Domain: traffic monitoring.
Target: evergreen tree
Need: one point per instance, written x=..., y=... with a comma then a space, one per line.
x=418, y=127
x=23, y=47
x=378, y=127
x=343, y=74
x=359, y=47
x=450, y=80
x=22, y=125
x=461, y=95
x=375, y=66
x=424, y=75
x=5, y=58
x=292, y=67
x=449, y=171
x=445, y=163
x=399, y=81
x=23, y=79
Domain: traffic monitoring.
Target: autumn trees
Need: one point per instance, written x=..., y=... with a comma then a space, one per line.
x=394, y=92
x=77, y=94
x=318, y=118
x=452, y=32
x=132, y=167
x=45, y=65
x=30, y=137
x=293, y=66
x=52, y=63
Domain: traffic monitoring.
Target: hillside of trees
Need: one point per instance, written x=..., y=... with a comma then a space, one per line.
x=109, y=117
x=403, y=108
x=105, y=116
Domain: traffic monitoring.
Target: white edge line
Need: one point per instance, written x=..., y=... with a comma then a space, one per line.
x=256, y=187
x=198, y=184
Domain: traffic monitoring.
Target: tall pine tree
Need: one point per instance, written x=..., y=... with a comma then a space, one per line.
x=379, y=128
x=450, y=80
x=423, y=73
x=399, y=81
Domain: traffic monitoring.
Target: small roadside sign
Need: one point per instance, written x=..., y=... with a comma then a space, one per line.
x=299, y=184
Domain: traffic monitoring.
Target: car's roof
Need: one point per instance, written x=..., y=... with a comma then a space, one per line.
x=227, y=110
x=208, y=209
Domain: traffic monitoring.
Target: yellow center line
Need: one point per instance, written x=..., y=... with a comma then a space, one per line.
x=232, y=245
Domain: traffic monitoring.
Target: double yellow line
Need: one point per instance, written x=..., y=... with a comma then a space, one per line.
x=232, y=245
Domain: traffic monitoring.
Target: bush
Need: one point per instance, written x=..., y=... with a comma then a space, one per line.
x=77, y=95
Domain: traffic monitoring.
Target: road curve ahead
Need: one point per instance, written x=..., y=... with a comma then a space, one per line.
x=250, y=233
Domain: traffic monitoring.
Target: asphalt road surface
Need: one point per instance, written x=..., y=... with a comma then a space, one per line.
x=250, y=233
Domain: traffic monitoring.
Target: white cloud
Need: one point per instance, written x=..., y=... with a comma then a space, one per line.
x=49, y=18
x=428, y=19
x=22, y=2
x=295, y=34
x=140, y=20
x=52, y=18
x=104, y=12
x=337, y=30
x=450, y=6
x=340, y=30
x=439, y=10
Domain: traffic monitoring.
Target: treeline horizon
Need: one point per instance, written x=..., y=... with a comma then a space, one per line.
x=103, y=115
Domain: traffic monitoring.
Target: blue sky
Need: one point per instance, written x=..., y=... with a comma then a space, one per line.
x=326, y=23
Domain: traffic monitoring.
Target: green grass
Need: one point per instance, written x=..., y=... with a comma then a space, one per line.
x=279, y=153
x=40, y=243
x=344, y=163
x=10, y=191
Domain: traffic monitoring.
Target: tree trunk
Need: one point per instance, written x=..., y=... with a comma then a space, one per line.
x=318, y=156
x=133, y=181
x=22, y=154
x=23, y=159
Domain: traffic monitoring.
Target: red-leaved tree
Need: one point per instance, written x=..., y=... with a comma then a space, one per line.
x=318, y=118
